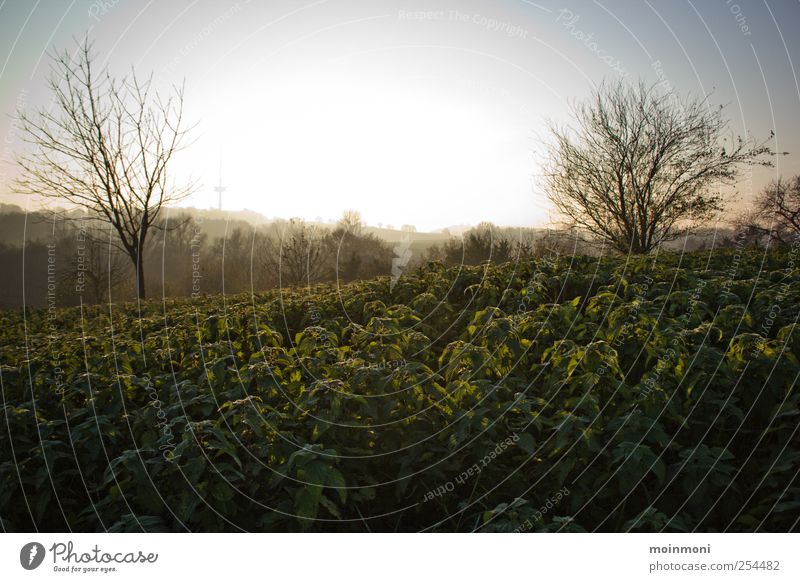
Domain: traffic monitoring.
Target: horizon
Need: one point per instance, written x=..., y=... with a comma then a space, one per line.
x=311, y=110
x=228, y=213
x=453, y=230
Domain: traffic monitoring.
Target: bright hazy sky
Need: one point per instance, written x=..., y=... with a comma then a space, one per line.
x=426, y=113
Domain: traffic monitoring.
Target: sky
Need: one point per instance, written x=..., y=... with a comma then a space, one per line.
x=425, y=113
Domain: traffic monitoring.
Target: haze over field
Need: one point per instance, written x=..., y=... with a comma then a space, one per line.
x=430, y=115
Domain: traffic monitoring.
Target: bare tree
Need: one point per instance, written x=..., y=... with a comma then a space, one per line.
x=641, y=167
x=776, y=213
x=178, y=252
x=105, y=146
x=299, y=253
x=232, y=256
x=350, y=222
x=104, y=268
x=485, y=242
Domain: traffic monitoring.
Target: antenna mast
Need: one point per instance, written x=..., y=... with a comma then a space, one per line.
x=220, y=189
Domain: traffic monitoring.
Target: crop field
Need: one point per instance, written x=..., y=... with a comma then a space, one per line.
x=556, y=394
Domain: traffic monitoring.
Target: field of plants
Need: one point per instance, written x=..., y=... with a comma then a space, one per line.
x=556, y=394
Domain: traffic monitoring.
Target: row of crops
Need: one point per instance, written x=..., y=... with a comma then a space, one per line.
x=557, y=394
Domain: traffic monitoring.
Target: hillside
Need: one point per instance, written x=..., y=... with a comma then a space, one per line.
x=557, y=394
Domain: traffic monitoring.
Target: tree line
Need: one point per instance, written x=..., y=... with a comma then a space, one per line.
x=77, y=261
x=81, y=262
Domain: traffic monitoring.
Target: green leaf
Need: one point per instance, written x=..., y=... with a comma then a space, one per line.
x=306, y=503
x=330, y=506
x=336, y=479
x=527, y=443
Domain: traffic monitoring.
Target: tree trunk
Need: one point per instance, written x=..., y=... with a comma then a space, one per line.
x=138, y=263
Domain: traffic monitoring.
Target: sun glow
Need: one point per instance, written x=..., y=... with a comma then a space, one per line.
x=428, y=156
